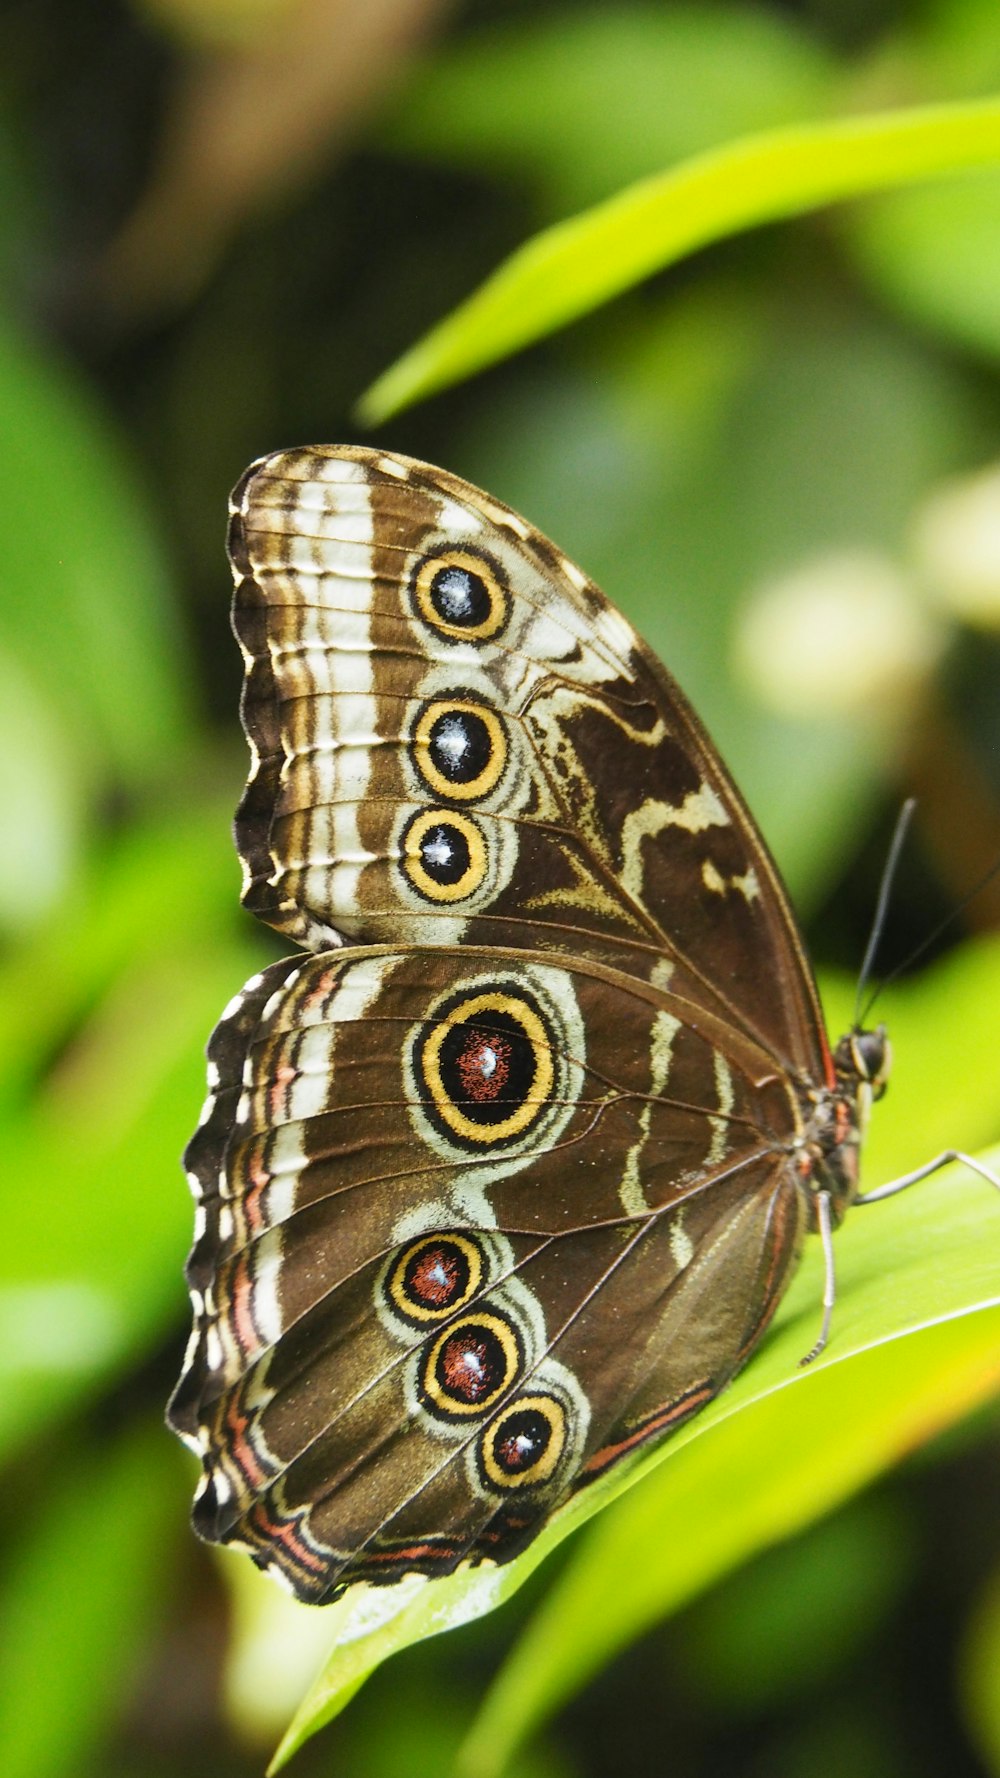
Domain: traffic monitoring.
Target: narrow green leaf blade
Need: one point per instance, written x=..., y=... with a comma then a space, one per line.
x=571, y=268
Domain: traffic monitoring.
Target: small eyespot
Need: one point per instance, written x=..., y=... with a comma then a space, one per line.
x=443, y=855
x=470, y=1365
x=460, y=748
x=523, y=1446
x=433, y=1277
x=462, y=594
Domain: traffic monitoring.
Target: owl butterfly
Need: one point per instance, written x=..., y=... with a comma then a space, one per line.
x=505, y=1176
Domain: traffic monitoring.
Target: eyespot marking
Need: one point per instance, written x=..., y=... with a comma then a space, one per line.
x=471, y=1363
x=486, y=1067
x=462, y=594
x=434, y=1276
x=460, y=748
x=443, y=855
x=525, y=1443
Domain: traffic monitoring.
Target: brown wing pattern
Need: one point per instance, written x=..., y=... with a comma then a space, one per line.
x=505, y=1182
x=457, y=739
x=431, y=1183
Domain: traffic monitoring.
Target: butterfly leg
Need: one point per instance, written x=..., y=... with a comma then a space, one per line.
x=942, y=1160
x=829, y=1274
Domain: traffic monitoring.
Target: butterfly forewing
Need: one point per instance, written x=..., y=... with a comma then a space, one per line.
x=458, y=740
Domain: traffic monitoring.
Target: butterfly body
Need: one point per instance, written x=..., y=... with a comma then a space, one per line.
x=506, y=1176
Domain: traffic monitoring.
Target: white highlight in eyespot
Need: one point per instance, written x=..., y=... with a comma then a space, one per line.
x=452, y=739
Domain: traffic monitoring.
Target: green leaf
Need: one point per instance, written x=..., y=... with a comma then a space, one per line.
x=541, y=96
x=41, y=801
x=124, y=993
x=571, y=268
x=170, y=876
x=85, y=601
x=710, y=403
x=925, y=1265
x=929, y=253
x=84, y=1590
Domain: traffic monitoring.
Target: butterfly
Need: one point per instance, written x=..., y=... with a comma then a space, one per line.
x=503, y=1175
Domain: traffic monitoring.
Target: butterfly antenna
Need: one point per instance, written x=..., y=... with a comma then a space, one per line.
x=881, y=906
x=935, y=932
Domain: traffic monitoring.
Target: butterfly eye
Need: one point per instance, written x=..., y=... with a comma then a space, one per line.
x=486, y=1068
x=523, y=1446
x=871, y=1056
x=443, y=855
x=470, y=1365
x=460, y=748
x=434, y=1276
x=462, y=594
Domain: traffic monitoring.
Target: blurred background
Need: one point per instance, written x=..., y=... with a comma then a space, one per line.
x=219, y=220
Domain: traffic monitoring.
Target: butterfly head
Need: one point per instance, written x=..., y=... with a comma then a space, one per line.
x=863, y=1063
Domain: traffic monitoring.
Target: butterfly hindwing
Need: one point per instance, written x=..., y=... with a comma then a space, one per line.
x=431, y=1181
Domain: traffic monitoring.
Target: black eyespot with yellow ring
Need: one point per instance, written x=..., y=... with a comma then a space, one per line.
x=433, y=1277
x=443, y=855
x=460, y=747
x=469, y=1366
x=462, y=594
x=523, y=1447
x=485, y=1067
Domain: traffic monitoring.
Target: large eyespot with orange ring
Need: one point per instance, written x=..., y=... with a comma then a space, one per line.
x=443, y=855
x=460, y=747
x=485, y=1066
x=461, y=594
x=523, y=1446
x=470, y=1365
x=433, y=1277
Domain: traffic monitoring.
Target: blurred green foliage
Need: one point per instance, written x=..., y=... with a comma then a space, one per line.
x=168, y=310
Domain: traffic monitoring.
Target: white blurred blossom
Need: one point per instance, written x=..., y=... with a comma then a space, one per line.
x=844, y=633
x=956, y=545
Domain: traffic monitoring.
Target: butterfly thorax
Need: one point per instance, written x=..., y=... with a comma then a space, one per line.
x=839, y=1116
